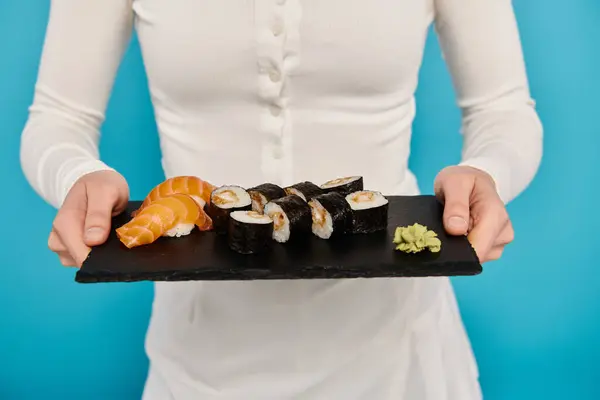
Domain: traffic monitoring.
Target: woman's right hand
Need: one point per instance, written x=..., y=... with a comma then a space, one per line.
x=84, y=220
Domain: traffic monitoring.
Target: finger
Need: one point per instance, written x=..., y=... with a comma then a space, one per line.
x=487, y=225
x=55, y=244
x=485, y=231
x=66, y=259
x=495, y=253
x=455, y=192
x=69, y=223
x=506, y=235
x=100, y=206
x=120, y=203
x=70, y=233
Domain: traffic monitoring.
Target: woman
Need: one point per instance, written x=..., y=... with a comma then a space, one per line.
x=282, y=90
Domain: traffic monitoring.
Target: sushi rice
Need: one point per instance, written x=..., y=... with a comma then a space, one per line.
x=322, y=225
x=365, y=199
x=290, y=214
x=227, y=197
x=331, y=215
x=281, y=223
x=251, y=217
x=180, y=230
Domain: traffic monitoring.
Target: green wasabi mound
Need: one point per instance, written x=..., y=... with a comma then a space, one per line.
x=416, y=238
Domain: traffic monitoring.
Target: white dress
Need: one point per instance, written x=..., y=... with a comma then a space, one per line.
x=252, y=91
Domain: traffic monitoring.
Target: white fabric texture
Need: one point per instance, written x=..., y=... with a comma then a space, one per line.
x=247, y=92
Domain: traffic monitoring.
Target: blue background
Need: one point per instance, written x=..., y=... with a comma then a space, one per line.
x=533, y=316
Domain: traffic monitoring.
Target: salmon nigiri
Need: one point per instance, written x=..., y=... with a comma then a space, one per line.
x=193, y=186
x=174, y=215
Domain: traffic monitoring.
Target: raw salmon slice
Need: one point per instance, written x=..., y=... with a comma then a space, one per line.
x=172, y=215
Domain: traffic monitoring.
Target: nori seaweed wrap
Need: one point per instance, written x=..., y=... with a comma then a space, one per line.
x=250, y=232
x=225, y=200
x=305, y=190
x=264, y=193
x=369, y=211
x=331, y=215
x=291, y=217
x=345, y=185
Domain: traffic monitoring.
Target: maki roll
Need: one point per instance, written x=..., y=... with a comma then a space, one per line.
x=289, y=214
x=331, y=214
x=264, y=193
x=345, y=185
x=225, y=200
x=369, y=211
x=249, y=232
x=304, y=190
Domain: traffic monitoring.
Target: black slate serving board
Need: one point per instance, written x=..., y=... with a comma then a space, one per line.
x=206, y=256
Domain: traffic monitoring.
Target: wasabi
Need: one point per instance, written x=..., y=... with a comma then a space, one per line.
x=416, y=238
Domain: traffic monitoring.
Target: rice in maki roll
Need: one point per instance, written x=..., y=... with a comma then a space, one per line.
x=305, y=190
x=331, y=215
x=345, y=185
x=291, y=217
x=369, y=211
x=264, y=193
x=225, y=200
x=250, y=232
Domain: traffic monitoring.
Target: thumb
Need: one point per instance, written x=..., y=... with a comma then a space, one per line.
x=455, y=192
x=101, y=203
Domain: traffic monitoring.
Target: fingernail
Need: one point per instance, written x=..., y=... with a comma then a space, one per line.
x=457, y=223
x=94, y=234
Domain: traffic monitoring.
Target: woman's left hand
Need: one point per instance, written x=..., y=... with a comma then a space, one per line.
x=472, y=207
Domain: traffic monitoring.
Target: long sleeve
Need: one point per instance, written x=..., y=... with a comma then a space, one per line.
x=502, y=131
x=84, y=44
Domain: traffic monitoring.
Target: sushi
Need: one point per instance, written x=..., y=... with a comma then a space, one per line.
x=264, y=193
x=225, y=200
x=344, y=186
x=193, y=186
x=369, y=211
x=174, y=216
x=249, y=232
x=331, y=215
x=305, y=190
x=291, y=217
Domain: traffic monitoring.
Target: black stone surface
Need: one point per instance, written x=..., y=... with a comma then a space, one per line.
x=207, y=256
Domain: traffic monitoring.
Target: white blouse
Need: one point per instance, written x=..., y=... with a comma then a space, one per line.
x=253, y=91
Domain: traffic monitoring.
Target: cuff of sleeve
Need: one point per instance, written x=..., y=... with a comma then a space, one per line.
x=500, y=174
x=74, y=170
